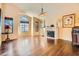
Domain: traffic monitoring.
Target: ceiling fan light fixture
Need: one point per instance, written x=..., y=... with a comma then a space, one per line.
x=42, y=12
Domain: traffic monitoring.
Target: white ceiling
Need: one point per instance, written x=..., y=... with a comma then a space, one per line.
x=54, y=10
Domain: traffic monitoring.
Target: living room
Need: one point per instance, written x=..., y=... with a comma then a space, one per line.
x=45, y=25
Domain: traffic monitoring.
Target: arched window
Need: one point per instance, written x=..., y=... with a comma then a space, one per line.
x=24, y=24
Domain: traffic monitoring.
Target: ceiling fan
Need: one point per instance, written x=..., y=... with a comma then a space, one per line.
x=42, y=15
x=42, y=12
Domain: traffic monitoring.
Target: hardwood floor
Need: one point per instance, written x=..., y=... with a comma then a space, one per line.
x=38, y=47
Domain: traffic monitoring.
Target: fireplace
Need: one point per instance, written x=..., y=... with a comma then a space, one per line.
x=51, y=34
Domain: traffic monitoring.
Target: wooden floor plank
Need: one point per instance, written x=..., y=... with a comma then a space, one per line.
x=37, y=47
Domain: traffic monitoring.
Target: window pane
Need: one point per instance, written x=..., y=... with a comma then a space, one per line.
x=24, y=23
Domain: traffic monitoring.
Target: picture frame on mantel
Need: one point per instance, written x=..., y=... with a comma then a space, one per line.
x=68, y=21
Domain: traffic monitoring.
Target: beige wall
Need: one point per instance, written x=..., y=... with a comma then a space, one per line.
x=10, y=10
x=55, y=16
x=65, y=33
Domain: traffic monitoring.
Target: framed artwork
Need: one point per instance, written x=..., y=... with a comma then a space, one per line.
x=8, y=21
x=68, y=21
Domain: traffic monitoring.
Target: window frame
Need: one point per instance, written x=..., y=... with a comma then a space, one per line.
x=24, y=23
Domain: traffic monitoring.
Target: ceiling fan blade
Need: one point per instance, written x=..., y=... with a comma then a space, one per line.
x=44, y=14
